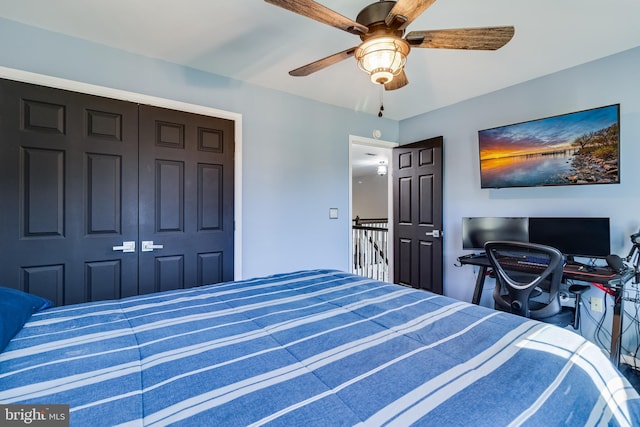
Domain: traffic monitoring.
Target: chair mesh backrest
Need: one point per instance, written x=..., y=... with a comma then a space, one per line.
x=514, y=284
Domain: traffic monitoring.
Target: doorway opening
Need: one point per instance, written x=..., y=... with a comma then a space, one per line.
x=371, y=207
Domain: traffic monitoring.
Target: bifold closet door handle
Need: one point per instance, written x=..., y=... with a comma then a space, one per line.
x=126, y=247
x=148, y=246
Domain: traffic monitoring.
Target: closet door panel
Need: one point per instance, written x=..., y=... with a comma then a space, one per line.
x=68, y=168
x=186, y=199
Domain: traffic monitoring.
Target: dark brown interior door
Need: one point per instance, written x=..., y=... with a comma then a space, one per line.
x=186, y=199
x=69, y=193
x=417, y=196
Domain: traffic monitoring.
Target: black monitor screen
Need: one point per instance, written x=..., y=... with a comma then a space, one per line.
x=476, y=231
x=586, y=237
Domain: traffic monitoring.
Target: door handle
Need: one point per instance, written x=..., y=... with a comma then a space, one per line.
x=434, y=233
x=126, y=247
x=148, y=246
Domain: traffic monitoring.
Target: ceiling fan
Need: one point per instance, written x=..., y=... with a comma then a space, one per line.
x=384, y=48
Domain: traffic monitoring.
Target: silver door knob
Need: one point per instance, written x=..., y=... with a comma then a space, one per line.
x=126, y=247
x=148, y=246
x=434, y=233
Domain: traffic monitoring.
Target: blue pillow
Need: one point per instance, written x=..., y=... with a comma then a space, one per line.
x=16, y=307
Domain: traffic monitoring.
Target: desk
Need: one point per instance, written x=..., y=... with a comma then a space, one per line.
x=602, y=275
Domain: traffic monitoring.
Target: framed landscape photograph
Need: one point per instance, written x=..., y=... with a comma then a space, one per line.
x=570, y=149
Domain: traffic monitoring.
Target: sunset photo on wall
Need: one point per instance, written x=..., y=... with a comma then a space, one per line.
x=570, y=149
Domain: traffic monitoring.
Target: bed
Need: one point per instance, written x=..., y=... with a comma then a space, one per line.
x=309, y=348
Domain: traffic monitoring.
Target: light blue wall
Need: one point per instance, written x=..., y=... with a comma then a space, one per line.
x=294, y=151
x=607, y=81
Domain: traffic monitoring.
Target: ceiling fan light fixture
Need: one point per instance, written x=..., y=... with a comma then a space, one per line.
x=382, y=57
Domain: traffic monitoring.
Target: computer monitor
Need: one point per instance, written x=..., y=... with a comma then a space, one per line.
x=581, y=237
x=476, y=231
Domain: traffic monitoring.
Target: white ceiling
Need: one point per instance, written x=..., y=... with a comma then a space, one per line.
x=365, y=159
x=253, y=41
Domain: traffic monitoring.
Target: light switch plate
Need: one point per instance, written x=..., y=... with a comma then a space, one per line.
x=333, y=213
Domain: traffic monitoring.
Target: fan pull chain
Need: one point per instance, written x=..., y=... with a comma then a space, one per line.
x=381, y=101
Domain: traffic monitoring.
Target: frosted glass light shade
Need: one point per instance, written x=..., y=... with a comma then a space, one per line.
x=382, y=57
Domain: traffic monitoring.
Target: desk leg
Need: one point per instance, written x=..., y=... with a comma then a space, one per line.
x=477, y=292
x=616, y=328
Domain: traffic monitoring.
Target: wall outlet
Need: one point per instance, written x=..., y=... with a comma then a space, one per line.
x=596, y=304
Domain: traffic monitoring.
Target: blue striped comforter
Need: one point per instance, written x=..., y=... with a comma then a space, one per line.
x=309, y=348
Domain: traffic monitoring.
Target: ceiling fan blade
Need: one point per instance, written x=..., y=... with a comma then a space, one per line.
x=318, y=65
x=405, y=11
x=487, y=38
x=398, y=81
x=320, y=13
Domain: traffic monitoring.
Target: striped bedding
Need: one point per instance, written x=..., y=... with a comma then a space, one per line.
x=309, y=348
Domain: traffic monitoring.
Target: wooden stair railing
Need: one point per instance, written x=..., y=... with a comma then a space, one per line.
x=370, y=243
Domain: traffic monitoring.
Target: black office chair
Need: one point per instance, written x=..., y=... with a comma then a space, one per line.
x=528, y=278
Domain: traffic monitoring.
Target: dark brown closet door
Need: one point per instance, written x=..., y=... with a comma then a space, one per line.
x=68, y=193
x=186, y=199
x=82, y=175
